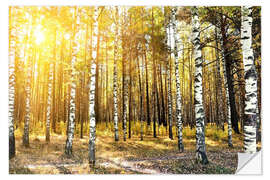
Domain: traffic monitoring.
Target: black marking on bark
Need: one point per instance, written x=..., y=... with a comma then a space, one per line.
x=200, y=110
x=250, y=119
x=250, y=73
x=196, y=102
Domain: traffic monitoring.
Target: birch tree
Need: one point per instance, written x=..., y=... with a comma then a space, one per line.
x=250, y=114
x=28, y=87
x=115, y=93
x=27, y=104
x=49, y=101
x=124, y=75
x=199, y=110
x=75, y=50
x=168, y=38
x=142, y=91
x=92, y=131
x=11, y=84
x=177, y=79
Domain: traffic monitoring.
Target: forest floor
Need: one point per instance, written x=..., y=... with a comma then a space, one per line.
x=150, y=156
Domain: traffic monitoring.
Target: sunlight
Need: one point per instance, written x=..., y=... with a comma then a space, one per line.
x=39, y=36
x=67, y=36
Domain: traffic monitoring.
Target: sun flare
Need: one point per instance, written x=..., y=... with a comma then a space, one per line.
x=39, y=35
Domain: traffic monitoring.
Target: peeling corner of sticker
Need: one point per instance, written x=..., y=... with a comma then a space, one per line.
x=249, y=163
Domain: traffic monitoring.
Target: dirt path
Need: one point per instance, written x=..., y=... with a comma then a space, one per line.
x=133, y=165
x=130, y=166
x=127, y=165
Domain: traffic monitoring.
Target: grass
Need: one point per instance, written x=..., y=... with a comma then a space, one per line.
x=160, y=154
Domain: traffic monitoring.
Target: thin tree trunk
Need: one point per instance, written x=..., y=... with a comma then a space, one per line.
x=163, y=115
x=141, y=86
x=147, y=91
x=218, y=87
x=190, y=88
x=28, y=92
x=53, y=91
x=169, y=81
x=229, y=77
x=92, y=123
x=147, y=83
x=226, y=89
x=107, y=85
x=49, y=101
x=154, y=78
x=124, y=77
x=130, y=91
x=178, y=91
x=11, y=84
x=97, y=96
x=72, y=108
x=115, y=94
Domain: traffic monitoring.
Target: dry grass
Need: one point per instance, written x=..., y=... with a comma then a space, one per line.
x=160, y=154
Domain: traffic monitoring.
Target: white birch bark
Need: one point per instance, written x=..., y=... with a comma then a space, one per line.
x=199, y=111
x=125, y=84
x=250, y=114
x=92, y=131
x=28, y=90
x=177, y=79
x=115, y=93
x=49, y=101
x=169, y=44
x=71, y=125
x=229, y=120
x=11, y=84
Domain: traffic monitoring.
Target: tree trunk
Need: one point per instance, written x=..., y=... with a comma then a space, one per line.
x=115, y=94
x=154, y=78
x=199, y=110
x=147, y=91
x=28, y=93
x=107, y=85
x=228, y=63
x=226, y=88
x=97, y=96
x=71, y=123
x=178, y=90
x=141, y=86
x=124, y=78
x=92, y=124
x=11, y=84
x=130, y=92
x=169, y=81
x=251, y=101
x=49, y=101
x=219, y=98
x=190, y=88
